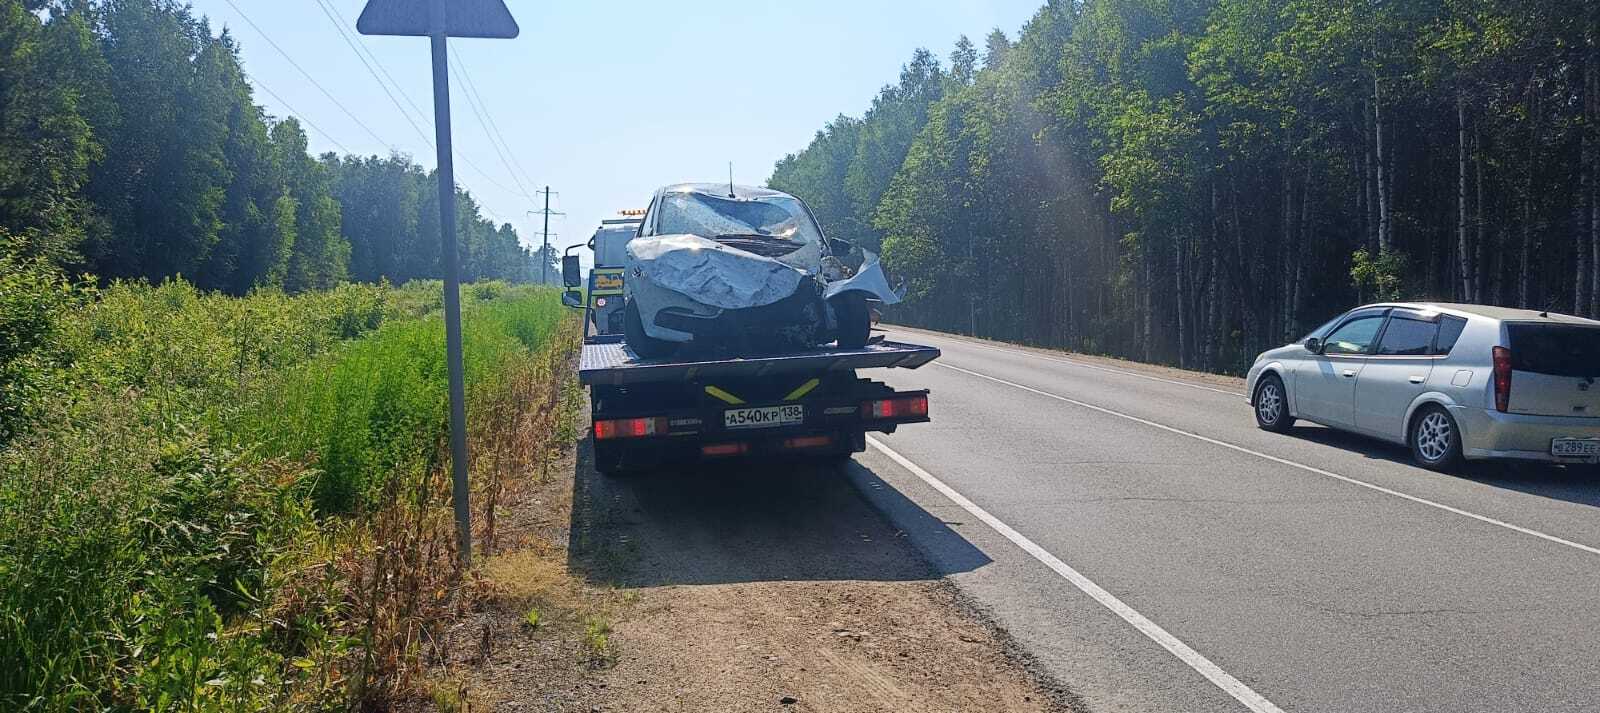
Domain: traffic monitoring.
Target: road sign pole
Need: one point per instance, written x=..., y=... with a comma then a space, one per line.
x=452, y=287
x=428, y=18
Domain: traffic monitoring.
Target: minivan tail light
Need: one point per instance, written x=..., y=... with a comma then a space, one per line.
x=1502, y=379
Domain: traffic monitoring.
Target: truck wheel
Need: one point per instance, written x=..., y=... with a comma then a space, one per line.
x=855, y=321
x=642, y=344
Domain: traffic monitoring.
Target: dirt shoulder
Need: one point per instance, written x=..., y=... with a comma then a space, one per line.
x=1203, y=378
x=775, y=589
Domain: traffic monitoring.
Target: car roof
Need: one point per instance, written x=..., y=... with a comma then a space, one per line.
x=1504, y=314
x=722, y=190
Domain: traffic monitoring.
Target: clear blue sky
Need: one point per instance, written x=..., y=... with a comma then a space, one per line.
x=607, y=101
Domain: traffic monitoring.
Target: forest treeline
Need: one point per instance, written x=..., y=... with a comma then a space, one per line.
x=131, y=147
x=1190, y=181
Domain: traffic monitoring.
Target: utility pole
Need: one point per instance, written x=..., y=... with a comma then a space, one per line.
x=544, y=254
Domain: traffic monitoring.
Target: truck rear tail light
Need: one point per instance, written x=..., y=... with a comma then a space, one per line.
x=629, y=428
x=805, y=442
x=904, y=407
x=1502, y=379
x=725, y=449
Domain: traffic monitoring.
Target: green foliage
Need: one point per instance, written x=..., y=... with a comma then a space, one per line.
x=1186, y=180
x=374, y=406
x=1380, y=276
x=390, y=218
x=33, y=297
x=157, y=516
x=131, y=147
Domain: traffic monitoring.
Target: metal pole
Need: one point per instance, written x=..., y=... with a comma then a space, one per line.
x=452, y=285
x=544, y=257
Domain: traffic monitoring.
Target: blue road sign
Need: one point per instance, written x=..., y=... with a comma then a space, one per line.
x=462, y=18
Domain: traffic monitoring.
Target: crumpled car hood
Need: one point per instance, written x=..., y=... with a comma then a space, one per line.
x=711, y=273
x=869, y=279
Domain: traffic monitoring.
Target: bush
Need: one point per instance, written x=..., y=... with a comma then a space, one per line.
x=158, y=547
x=33, y=296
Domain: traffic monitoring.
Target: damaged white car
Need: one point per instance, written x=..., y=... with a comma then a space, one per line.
x=742, y=270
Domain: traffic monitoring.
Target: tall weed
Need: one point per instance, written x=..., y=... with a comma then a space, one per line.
x=160, y=547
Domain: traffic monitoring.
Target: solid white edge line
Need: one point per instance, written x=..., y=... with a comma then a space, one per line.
x=1194, y=659
x=1074, y=362
x=1290, y=463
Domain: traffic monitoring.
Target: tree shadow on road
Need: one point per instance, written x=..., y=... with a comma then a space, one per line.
x=1550, y=481
x=746, y=522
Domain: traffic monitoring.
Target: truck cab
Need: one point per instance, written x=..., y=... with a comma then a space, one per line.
x=605, y=299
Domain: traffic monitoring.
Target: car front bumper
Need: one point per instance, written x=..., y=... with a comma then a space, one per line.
x=1491, y=434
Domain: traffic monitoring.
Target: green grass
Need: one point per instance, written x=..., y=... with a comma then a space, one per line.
x=166, y=514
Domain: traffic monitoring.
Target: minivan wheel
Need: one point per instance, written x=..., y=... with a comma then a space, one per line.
x=1435, y=439
x=1272, y=405
x=642, y=344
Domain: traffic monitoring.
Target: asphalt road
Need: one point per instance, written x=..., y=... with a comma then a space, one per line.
x=1154, y=551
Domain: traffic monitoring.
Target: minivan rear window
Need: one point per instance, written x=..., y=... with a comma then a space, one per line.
x=1555, y=349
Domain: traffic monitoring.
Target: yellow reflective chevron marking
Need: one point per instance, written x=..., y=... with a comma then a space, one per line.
x=803, y=390
x=723, y=395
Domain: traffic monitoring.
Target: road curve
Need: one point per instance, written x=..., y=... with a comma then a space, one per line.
x=1154, y=551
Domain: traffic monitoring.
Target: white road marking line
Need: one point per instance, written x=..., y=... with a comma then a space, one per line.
x=1194, y=659
x=1075, y=362
x=1290, y=463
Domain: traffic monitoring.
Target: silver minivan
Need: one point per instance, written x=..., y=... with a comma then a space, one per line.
x=1451, y=381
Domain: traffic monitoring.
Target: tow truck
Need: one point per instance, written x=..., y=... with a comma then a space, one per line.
x=648, y=413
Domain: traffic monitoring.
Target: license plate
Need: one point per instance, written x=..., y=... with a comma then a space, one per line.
x=764, y=416
x=1575, y=447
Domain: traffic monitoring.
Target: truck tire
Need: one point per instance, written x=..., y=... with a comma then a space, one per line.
x=855, y=320
x=642, y=344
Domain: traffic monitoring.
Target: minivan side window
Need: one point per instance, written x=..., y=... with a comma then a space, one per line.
x=1449, y=331
x=1408, y=337
x=1355, y=337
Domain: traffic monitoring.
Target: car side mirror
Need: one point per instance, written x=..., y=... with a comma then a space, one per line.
x=569, y=271
x=840, y=248
x=571, y=298
x=1314, y=345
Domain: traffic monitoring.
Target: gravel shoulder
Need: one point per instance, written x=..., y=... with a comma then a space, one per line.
x=758, y=587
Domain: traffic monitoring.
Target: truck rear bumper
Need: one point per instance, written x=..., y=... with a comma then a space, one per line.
x=835, y=419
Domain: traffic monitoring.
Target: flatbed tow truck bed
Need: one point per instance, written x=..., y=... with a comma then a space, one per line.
x=609, y=361
x=647, y=413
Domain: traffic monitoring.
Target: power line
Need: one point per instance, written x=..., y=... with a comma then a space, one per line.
x=471, y=102
x=300, y=116
x=361, y=48
x=339, y=26
x=308, y=76
x=472, y=88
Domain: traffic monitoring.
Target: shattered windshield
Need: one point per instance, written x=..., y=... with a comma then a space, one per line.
x=709, y=216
